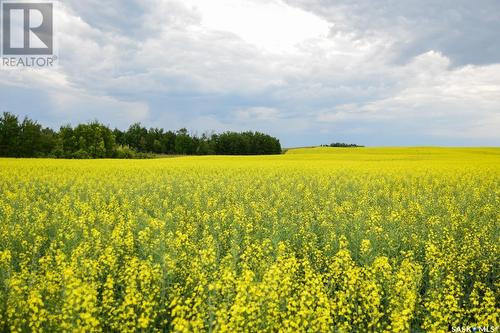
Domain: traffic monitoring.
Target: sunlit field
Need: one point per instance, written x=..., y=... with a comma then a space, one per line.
x=317, y=240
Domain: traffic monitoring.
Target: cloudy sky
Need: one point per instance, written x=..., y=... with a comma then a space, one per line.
x=373, y=72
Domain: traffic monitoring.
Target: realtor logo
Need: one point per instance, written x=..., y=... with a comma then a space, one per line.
x=27, y=30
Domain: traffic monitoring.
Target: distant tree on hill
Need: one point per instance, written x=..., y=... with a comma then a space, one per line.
x=342, y=145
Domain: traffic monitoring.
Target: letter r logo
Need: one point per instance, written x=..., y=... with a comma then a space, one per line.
x=27, y=28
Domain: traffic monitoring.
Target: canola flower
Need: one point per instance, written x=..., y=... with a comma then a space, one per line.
x=317, y=240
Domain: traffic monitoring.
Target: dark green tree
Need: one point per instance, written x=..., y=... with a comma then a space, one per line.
x=30, y=143
x=10, y=132
x=136, y=137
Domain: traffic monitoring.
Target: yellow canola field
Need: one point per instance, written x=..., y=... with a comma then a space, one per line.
x=317, y=240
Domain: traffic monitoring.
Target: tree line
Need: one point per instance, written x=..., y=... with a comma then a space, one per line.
x=27, y=138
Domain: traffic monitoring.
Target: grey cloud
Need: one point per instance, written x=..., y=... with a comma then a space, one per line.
x=136, y=19
x=457, y=28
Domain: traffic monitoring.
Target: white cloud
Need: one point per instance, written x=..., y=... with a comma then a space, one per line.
x=270, y=25
x=258, y=113
x=434, y=99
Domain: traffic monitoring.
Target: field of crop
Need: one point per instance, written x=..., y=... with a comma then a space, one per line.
x=317, y=240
